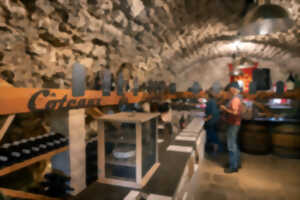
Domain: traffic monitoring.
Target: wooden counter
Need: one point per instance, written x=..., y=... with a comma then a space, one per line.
x=31, y=161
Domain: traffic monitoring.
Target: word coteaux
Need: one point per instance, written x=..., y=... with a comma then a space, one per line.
x=64, y=102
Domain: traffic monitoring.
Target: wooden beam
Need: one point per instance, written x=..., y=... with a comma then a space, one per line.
x=128, y=184
x=24, y=195
x=26, y=163
x=23, y=100
x=3, y=83
x=149, y=174
x=5, y=126
x=95, y=112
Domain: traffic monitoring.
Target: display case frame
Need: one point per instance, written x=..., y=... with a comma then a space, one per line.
x=132, y=118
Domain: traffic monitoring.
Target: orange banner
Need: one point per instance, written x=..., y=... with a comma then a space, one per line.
x=22, y=100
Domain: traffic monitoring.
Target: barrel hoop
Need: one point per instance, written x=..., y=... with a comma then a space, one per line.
x=286, y=148
x=255, y=132
x=285, y=133
x=286, y=140
x=257, y=151
x=264, y=129
x=286, y=152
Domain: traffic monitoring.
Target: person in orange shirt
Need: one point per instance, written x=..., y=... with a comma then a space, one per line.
x=233, y=119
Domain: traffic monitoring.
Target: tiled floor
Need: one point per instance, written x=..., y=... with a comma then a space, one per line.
x=261, y=178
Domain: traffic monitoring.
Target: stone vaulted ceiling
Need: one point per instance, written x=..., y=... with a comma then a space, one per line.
x=175, y=40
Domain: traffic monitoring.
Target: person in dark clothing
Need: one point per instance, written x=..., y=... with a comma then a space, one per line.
x=212, y=116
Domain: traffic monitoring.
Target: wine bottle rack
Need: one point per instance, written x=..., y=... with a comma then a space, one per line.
x=25, y=195
x=31, y=161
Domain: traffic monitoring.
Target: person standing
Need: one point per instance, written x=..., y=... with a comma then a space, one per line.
x=212, y=116
x=233, y=120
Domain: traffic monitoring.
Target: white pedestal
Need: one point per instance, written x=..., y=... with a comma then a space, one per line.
x=77, y=149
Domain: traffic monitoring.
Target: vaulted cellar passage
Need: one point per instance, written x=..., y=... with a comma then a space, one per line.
x=149, y=99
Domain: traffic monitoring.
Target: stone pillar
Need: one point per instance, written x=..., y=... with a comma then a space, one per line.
x=59, y=124
x=72, y=162
x=77, y=149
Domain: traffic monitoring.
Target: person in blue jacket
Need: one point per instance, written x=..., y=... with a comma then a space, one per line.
x=212, y=116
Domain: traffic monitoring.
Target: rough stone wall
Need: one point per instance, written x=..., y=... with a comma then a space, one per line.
x=41, y=39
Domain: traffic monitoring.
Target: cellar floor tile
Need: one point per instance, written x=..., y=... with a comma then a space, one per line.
x=265, y=177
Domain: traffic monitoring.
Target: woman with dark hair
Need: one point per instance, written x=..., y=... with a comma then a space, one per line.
x=212, y=116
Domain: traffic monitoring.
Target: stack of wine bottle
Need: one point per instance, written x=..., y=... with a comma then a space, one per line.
x=91, y=161
x=19, y=151
x=56, y=185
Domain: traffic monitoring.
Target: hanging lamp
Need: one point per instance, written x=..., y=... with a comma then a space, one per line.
x=236, y=70
x=265, y=19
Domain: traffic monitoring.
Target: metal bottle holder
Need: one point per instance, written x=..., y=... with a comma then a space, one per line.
x=78, y=80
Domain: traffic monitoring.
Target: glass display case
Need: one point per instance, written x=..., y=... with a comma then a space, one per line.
x=128, y=151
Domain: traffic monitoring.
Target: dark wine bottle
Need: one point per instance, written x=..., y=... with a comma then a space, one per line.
x=48, y=139
x=55, y=185
x=16, y=152
x=4, y=161
x=25, y=149
x=4, y=155
x=56, y=140
x=290, y=78
x=42, y=145
x=34, y=146
x=64, y=141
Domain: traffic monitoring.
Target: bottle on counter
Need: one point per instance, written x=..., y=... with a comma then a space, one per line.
x=297, y=81
x=290, y=82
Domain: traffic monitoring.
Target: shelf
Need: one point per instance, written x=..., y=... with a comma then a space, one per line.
x=280, y=107
x=129, y=137
x=25, y=195
x=124, y=141
x=131, y=162
x=129, y=117
x=121, y=178
x=31, y=161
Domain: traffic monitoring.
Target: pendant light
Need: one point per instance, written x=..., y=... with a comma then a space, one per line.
x=265, y=19
x=236, y=70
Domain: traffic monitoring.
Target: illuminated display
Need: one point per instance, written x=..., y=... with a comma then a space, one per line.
x=245, y=78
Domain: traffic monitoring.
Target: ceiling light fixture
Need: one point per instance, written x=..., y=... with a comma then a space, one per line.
x=236, y=44
x=265, y=19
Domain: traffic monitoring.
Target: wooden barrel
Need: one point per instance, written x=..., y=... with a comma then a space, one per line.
x=255, y=138
x=154, y=107
x=286, y=140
